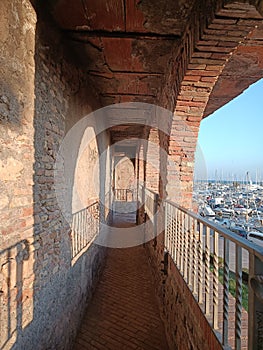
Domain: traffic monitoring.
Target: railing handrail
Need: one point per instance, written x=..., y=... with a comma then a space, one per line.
x=150, y=190
x=124, y=194
x=196, y=246
x=85, y=226
x=243, y=242
x=86, y=208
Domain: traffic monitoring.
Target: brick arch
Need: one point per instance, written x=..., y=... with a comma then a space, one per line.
x=124, y=173
x=212, y=77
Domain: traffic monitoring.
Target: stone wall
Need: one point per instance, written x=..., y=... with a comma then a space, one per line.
x=42, y=293
x=17, y=68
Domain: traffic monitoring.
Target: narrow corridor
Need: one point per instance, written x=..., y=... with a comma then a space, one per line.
x=123, y=313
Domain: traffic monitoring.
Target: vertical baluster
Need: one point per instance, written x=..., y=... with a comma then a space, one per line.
x=94, y=214
x=77, y=233
x=186, y=248
x=200, y=264
x=226, y=291
x=73, y=236
x=215, y=280
x=99, y=217
x=89, y=234
x=170, y=243
x=195, y=258
x=175, y=215
x=170, y=232
x=190, y=250
x=173, y=233
x=238, y=297
x=186, y=233
x=178, y=235
x=175, y=221
x=207, y=270
x=86, y=239
x=93, y=222
x=88, y=225
x=81, y=230
x=86, y=228
x=181, y=242
x=255, y=305
x=179, y=215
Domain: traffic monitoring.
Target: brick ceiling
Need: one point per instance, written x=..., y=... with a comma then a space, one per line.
x=126, y=46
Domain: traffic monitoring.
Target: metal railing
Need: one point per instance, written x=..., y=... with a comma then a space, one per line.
x=205, y=254
x=214, y=263
x=124, y=194
x=85, y=226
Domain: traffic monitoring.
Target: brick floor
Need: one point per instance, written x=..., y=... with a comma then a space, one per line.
x=123, y=313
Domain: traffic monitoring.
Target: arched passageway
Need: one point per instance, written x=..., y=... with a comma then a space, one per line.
x=64, y=60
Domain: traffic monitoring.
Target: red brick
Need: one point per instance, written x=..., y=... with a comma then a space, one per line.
x=116, y=306
x=209, y=79
x=190, y=103
x=214, y=49
x=192, y=78
x=212, y=73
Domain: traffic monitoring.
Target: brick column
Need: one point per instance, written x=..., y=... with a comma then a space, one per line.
x=191, y=80
x=153, y=161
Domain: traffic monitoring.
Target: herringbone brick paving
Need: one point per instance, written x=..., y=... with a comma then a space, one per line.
x=123, y=313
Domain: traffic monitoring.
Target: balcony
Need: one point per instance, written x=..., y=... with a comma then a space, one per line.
x=207, y=279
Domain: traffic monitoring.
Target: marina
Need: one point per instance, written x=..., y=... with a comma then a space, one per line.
x=234, y=205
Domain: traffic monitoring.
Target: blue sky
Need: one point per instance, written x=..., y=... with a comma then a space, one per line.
x=231, y=139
